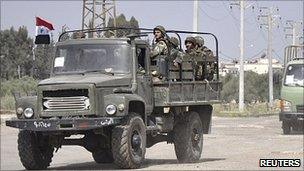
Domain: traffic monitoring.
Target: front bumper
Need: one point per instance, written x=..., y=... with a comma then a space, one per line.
x=63, y=124
x=291, y=116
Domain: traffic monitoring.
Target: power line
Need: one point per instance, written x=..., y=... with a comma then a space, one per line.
x=270, y=15
x=212, y=18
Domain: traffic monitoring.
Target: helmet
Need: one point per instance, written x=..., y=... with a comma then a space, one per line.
x=199, y=41
x=174, y=41
x=190, y=39
x=161, y=29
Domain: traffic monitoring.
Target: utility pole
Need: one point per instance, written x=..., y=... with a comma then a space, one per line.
x=241, y=82
x=269, y=14
x=195, y=16
x=241, y=61
x=295, y=27
x=95, y=13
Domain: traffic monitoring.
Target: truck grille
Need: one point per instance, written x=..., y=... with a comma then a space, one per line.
x=66, y=100
x=66, y=103
x=300, y=108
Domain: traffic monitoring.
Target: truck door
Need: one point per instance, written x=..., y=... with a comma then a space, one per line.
x=144, y=77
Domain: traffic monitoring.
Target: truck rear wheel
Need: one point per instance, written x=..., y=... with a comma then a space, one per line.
x=129, y=143
x=188, y=138
x=35, y=151
x=286, y=127
x=103, y=156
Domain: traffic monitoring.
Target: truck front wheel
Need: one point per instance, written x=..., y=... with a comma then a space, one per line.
x=188, y=138
x=35, y=151
x=129, y=143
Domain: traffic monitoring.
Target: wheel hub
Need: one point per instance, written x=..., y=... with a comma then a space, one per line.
x=136, y=140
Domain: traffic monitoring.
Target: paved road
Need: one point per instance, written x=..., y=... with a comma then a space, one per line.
x=235, y=144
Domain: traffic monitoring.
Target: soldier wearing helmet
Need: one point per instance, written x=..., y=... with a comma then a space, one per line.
x=176, y=55
x=190, y=44
x=160, y=47
x=207, y=69
x=158, y=54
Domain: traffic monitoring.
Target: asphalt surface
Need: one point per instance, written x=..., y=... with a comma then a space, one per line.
x=234, y=144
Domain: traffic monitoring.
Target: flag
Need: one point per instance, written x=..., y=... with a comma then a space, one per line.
x=43, y=29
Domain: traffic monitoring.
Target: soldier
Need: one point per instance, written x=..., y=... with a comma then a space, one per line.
x=190, y=44
x=159, y=50
x=176, y=55
x=207, y=56
x=160, y=47
x=200, y=46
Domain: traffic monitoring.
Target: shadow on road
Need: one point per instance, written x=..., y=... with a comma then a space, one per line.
x=147, y=163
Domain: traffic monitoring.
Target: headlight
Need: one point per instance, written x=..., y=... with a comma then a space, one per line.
x=111, y=109
x=285, y=106
x=19, y=110
x=28, y=112
x=121, y=107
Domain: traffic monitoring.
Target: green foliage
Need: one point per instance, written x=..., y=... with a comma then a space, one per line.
x=25, y=85
x=44, y=56
x=16, y=52
x=121, y=21
x=17, y=55
x=256, y=87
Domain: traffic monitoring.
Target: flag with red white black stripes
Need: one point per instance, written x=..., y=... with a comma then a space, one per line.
x=43, y=29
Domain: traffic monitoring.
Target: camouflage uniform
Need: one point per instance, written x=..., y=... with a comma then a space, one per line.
x=207, y=68
x=176, y=56
x=193, y=56
x=159, y=52
x=160, y=47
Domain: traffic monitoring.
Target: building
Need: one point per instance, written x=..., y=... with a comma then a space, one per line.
x=259, y=66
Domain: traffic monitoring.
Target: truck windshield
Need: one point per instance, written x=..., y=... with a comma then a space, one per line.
x=92, y=58
x=294, y=75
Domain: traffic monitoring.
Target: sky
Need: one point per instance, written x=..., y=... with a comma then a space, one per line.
x=214, y=16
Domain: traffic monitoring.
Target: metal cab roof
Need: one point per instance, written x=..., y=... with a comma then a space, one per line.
x=114, y=41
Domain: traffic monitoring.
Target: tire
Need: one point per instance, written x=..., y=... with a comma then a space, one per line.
x=286, y=127
x=35, y=151
x=188, y=138
x=129, y=143
x=103, y=156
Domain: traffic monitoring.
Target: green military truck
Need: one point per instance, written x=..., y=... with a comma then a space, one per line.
x=97, y=93
x=292, y=92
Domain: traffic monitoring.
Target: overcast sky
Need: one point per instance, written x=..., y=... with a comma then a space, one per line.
x=214, y=16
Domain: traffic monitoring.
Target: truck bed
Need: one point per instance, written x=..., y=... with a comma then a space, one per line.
x=186, y=93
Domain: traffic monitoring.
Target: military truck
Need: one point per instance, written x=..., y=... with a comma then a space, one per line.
x=97, y=98
x=292, y=92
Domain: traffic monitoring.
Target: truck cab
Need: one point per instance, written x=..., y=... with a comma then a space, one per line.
x=292, y=92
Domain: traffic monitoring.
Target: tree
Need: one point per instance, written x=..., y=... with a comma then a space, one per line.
x=121, y=21
x=16, y=53
x=256, y=87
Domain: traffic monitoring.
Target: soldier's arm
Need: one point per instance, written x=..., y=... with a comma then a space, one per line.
x=159, y=49
x=179, y=57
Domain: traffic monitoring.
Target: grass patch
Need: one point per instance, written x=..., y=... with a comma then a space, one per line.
x=24, y=86
x=250, y=110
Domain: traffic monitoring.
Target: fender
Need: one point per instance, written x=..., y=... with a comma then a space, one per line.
x=125, y=99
